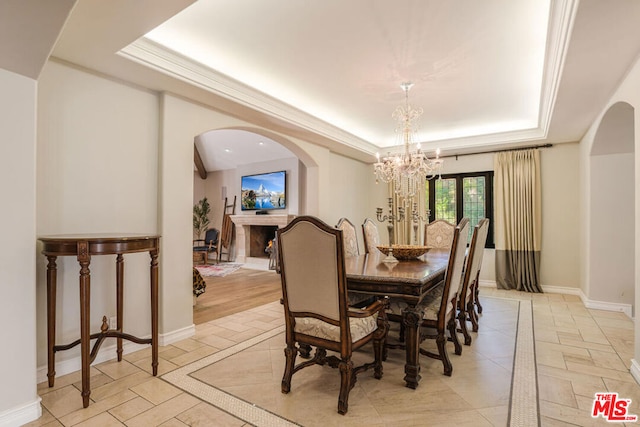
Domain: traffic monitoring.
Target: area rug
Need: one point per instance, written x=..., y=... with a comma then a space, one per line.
x=218, y=270
x=244, y=381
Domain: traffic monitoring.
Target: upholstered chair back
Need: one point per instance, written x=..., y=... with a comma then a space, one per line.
x=474, y=257
x=349, y=237
x=456, y=264
x=370, y=236
x=309, y=254
x=439, y=234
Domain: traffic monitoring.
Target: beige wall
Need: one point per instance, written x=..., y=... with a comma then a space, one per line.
x=18, y=394
x=97, y=172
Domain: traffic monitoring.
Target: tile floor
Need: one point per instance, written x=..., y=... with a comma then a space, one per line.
x=578, y=352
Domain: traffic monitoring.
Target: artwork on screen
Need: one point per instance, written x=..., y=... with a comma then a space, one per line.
x=263, y=191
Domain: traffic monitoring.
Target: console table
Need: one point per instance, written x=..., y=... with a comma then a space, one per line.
x=83, y=247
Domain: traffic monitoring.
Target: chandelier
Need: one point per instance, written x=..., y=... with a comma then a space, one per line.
x=407, y=170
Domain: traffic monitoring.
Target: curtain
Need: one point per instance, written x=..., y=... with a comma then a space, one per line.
x=518, y=222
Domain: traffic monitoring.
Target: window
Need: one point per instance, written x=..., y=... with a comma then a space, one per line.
x=467, y=195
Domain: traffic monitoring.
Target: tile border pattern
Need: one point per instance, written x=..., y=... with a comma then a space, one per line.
x=239, y=408
x=523, y=409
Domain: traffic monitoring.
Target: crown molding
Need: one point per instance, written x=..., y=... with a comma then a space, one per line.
x=561, y=18
x=171, y=63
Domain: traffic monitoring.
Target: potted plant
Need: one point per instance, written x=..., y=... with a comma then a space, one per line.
x=201, y=211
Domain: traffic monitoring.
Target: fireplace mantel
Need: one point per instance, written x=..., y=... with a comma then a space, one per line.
x=243, y=225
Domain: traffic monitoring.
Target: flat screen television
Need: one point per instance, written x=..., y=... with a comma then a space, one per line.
x=264, y=191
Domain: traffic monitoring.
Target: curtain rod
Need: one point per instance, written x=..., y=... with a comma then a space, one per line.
x=500, y=151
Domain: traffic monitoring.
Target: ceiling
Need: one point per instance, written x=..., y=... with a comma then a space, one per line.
x=490, y=74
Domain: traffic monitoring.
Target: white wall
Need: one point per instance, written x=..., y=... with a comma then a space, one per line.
x=97, y=172
x=19, y=402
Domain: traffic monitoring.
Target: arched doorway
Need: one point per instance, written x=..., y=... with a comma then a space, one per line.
x=611, y=263
x=229, y=154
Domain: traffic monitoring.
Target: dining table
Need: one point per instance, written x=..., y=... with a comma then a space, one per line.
x=407, y=280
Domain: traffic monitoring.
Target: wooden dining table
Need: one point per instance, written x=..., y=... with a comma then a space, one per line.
x=408, y=280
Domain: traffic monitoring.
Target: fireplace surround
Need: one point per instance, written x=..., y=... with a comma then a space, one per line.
x=251, y=230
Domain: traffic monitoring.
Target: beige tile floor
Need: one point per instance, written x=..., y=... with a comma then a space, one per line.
x=578, y=352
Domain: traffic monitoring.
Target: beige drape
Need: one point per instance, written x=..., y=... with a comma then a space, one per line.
x=518, y=220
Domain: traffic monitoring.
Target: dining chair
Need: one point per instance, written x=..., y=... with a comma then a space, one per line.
x=440, y=306
x=466, y=297
x=350, y=240
x=317, y=314
x=439, y=234
x=370, y=236
x=350, y=237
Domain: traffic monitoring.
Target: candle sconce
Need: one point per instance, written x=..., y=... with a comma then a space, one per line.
x=416, y=218
x=392, y=218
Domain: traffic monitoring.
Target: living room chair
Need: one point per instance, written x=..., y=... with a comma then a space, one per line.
x=466, y=297
x=317, y=314
x=439, y=234
x=440, y=305
x=370, y=235
x=208, y=245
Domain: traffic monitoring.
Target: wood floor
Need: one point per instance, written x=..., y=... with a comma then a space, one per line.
x=239, y=291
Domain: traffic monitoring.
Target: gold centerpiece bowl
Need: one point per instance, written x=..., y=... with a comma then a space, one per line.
x=405, y=252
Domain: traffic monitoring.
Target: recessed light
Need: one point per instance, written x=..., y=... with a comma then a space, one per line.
x=226, y=150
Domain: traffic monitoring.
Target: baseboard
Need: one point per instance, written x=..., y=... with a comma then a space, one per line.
x=487, y=284
x=562, y=290
x=22, y=415
x=596, y=305
x=608, y=306
x=107, y=353
x=177, y=335
x=635, y=370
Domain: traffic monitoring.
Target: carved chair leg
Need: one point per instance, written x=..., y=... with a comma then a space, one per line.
x=462, y=320
x=476, y=291
x=473, y=317
x=454, y=336
x=305, y=351
x=441, y=341
x=346, y=384
x=379, y=346
x=290, y=353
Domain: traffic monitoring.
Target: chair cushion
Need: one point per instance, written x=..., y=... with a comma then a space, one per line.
x=360, y=327
x=430, y=304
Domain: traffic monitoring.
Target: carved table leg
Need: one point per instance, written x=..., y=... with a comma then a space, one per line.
x=154, y=311
x=119, y=302
x=411, y=318
x=85, y=334
x=51, y=318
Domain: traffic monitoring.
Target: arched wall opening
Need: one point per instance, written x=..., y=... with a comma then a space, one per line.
x=300, y=167
x=611, y=269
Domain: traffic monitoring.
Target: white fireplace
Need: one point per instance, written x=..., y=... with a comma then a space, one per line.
x=243, y=224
